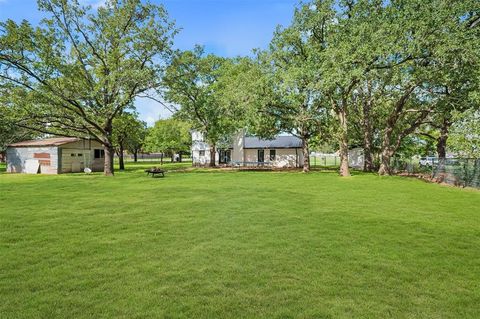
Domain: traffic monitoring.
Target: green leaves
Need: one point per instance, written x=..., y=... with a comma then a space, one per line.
x=169, y=136
x=199, y=85
x=82, y=68
x=10, y=131
x=129, y=131
x=85, y=64
x=465, y=135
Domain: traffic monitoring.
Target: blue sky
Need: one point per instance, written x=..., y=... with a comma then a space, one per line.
x=225, y=27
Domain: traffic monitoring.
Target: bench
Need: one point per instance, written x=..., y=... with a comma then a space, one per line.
x=154, y=171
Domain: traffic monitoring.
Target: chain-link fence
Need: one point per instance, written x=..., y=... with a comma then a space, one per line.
x=155, y=157
x=455, y=171
x=324, y=160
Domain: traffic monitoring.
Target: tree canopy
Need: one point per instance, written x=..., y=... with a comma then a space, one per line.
x=170, y=136
x=129, y=134
x=193, y=82
x=387, y=70
x=81, y=68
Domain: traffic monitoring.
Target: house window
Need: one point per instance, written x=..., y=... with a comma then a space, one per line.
x=261, y=156
x=225, y=156
x=202, y=153
x=72, y=155
x=99, y=153
x=273, y=153
x=79, y=155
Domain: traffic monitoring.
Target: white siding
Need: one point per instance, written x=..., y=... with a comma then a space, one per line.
x=356, y=158
x=204, y=160
x=238, y=147
x=16, y=157
x=199, y=145
x=284, y=157
x=75, y=157
x=251, y=155
x=289, y=157
x=49, y=156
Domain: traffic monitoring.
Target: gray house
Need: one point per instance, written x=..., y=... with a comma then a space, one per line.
x=55, y=156
x=280, y=152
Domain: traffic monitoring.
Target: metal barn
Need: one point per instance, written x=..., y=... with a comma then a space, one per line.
x=55, y=156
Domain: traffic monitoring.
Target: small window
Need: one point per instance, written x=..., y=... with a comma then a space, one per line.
x=72, y=155
x=273, y=154
x=79, y=155
x=261, y=156
x=202, y=153
x=99, y=153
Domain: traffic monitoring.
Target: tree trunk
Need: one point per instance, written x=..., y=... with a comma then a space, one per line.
x=306, y=156
x=161, y=158
x=172, y=157
x=212, y=155
x=343, y=143
x=367, y=137
x=109, y=150
x=108, y=169
x=135, y=156
x=442, y=140
x=442, y=151
x=386, y=152
x=385, y=158
x=121, y=162
x=388, y=149
x=367, y=157
x=180, y=157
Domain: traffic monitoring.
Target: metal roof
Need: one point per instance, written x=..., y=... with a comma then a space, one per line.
x=278, y=142
x=56, y=141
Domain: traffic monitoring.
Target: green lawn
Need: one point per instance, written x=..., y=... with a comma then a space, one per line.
x=203, y=244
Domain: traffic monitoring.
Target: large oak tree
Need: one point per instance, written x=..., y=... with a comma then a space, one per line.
x=81, y=68
x=196, y=86
x=291, y=102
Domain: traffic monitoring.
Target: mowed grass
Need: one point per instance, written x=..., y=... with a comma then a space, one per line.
x=220, y=244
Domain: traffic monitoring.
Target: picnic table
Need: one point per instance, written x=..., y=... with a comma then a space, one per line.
x=154, y=171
